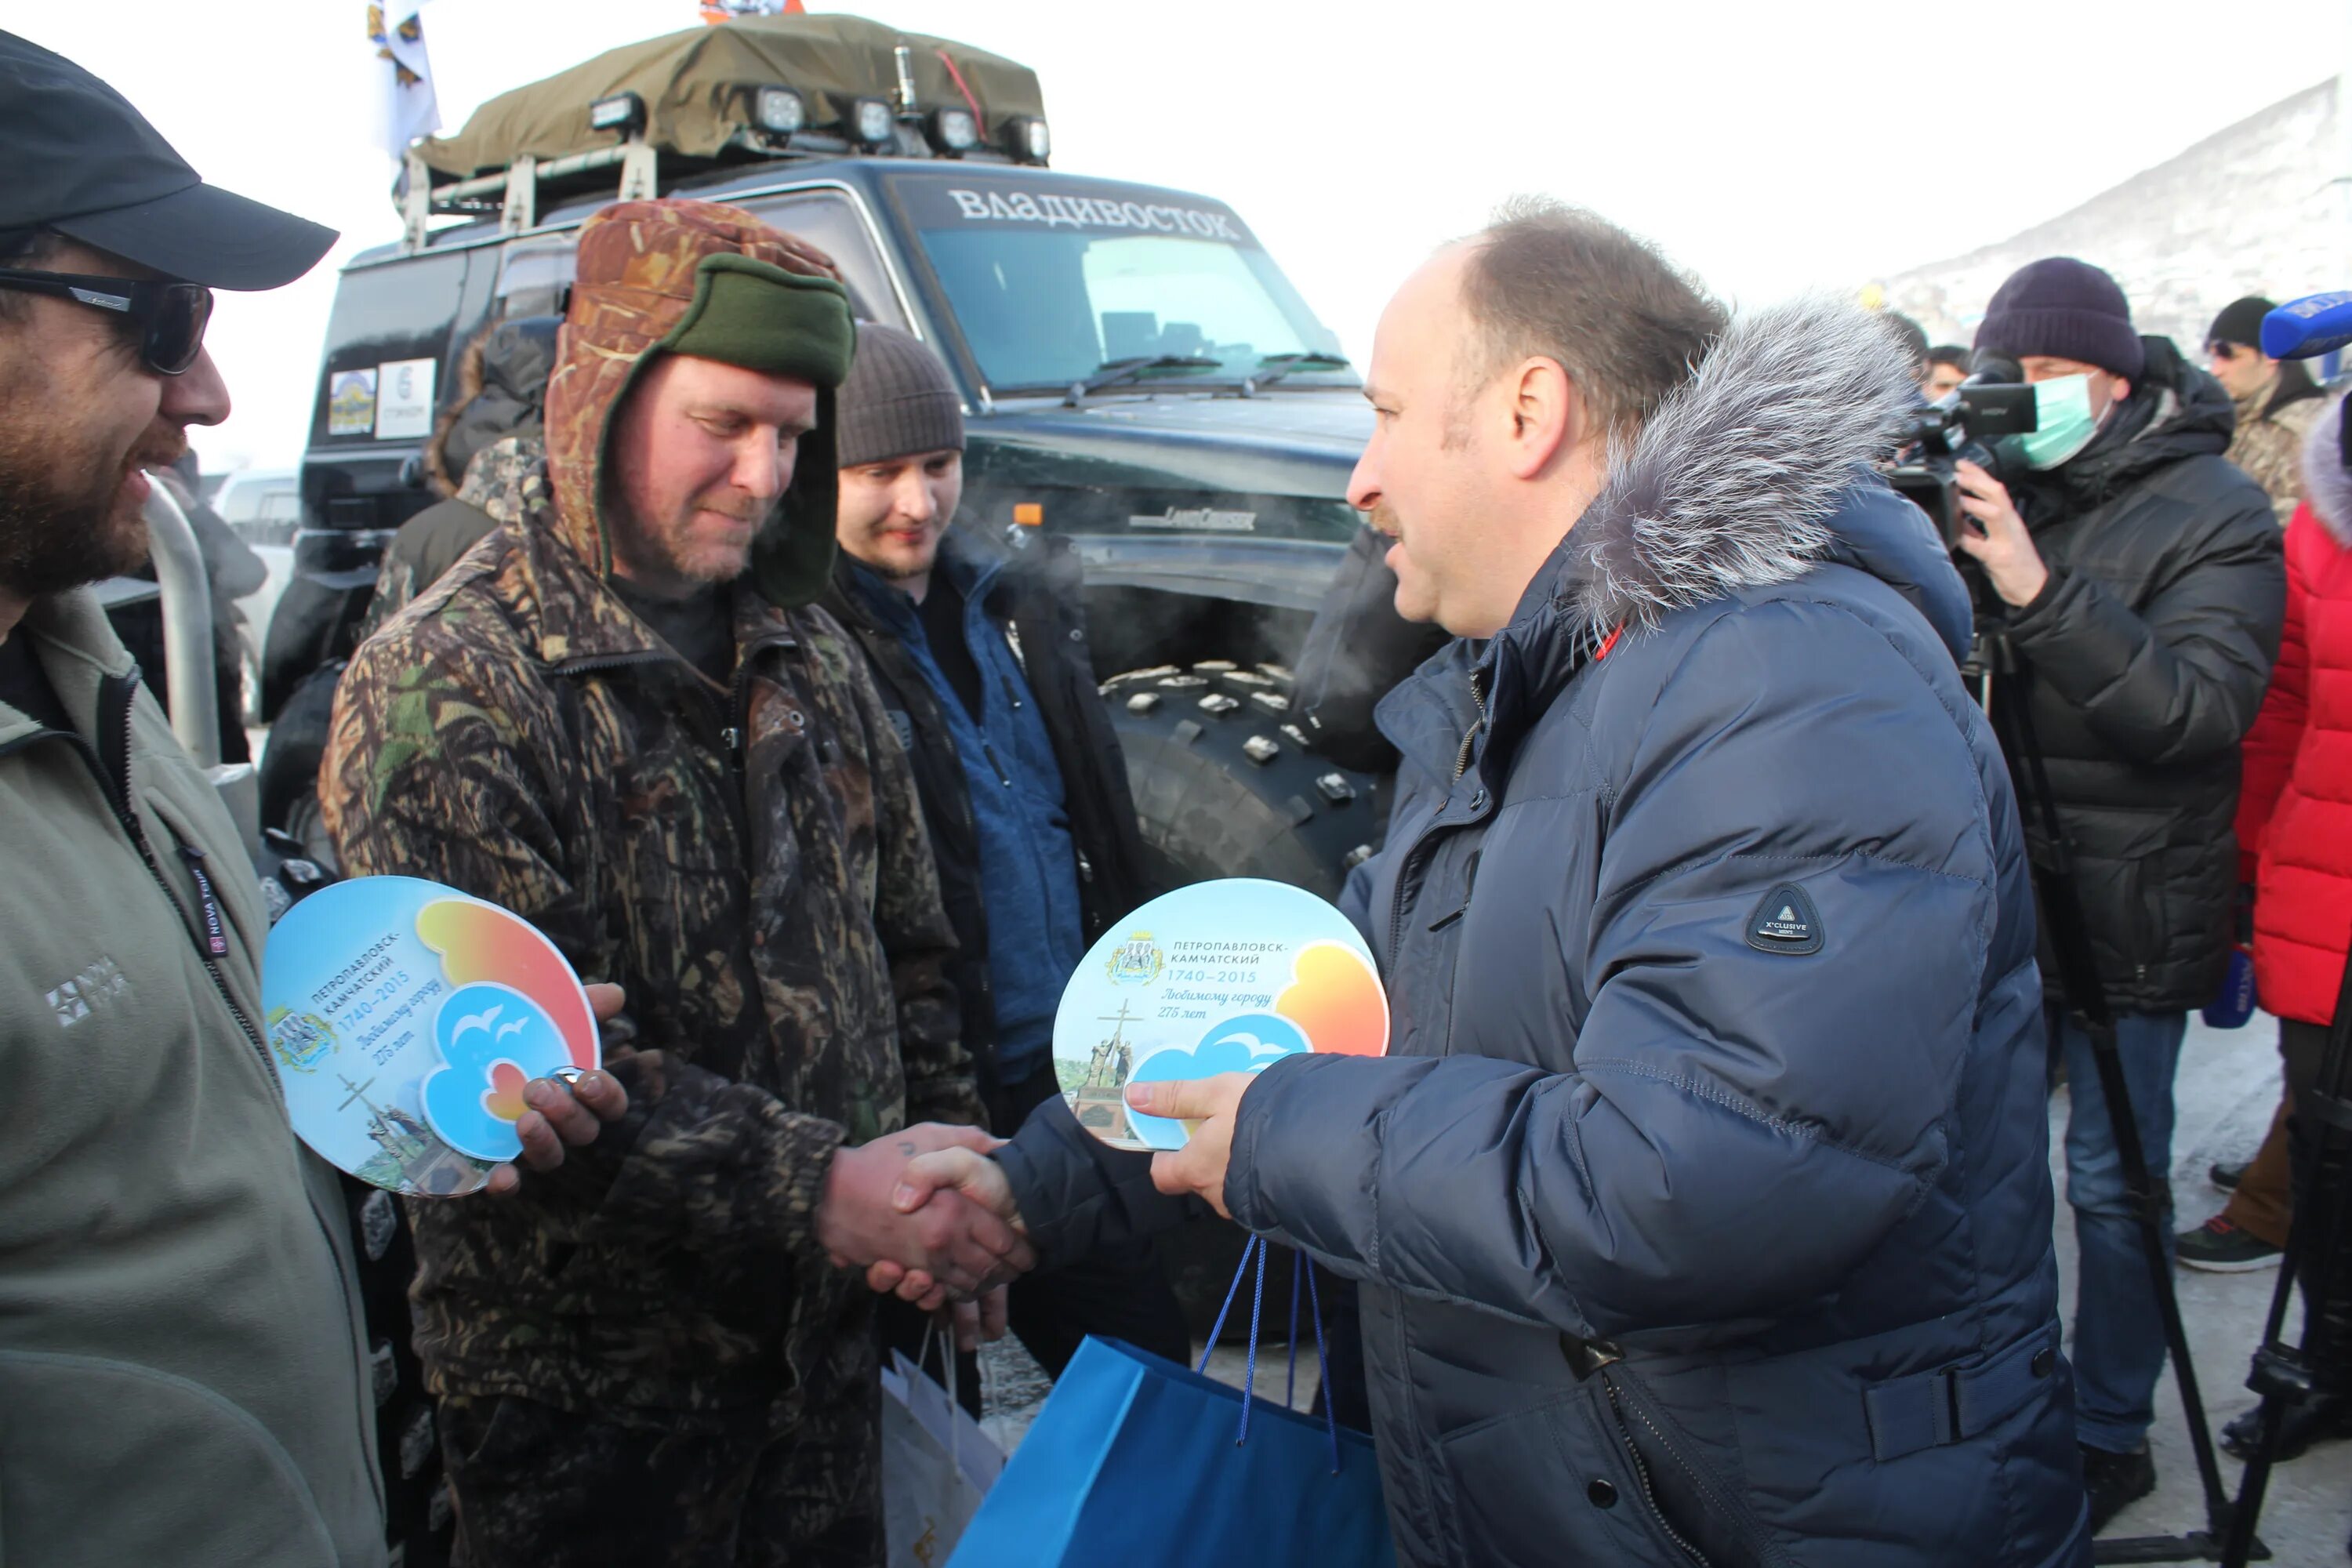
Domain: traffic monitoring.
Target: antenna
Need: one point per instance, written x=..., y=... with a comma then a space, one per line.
x=906, y=58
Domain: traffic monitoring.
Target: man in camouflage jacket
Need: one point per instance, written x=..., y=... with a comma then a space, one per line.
x=648, y=1358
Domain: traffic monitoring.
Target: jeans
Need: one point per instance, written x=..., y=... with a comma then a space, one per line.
x=2117, y=1345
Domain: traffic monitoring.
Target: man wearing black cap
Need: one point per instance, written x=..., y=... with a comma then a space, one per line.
x=183, y=1364
x=978, y=648
x=2276, y=401
x=2143, y=581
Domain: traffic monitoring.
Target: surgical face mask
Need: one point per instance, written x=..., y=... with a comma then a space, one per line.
x=2064, y=424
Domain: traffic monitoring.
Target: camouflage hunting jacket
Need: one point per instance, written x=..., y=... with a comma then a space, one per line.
x=751, y=865
x=2269, y=447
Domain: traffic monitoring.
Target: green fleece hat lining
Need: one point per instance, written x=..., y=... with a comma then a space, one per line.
x=756, y=315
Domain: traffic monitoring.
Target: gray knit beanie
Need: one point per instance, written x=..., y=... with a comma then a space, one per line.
x=898, y=400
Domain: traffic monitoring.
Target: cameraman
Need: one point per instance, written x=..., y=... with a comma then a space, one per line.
x=2142, y=581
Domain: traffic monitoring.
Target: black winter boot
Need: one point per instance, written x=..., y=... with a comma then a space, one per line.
x=2114, y=1480
x=2325, y=1419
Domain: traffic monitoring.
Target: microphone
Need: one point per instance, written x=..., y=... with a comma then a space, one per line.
x=2309, y=327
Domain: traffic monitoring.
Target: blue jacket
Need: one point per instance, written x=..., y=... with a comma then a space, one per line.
x=1012, y=782
x=1703, y=1204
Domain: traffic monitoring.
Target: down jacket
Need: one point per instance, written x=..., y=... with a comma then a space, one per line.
x=2296, y=818
x=1036, y=596
x=2147, y=650
x=1702, y=1204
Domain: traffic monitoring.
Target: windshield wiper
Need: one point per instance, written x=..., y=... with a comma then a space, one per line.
x=1120, y=371
x=1273, y=367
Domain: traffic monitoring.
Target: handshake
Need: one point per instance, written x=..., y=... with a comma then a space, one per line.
x=931, y=1219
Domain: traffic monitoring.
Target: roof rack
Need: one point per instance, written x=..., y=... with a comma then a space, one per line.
x=755, y=88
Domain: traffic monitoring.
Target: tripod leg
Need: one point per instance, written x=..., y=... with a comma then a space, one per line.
x=2315, y=1258
x=2062, y=912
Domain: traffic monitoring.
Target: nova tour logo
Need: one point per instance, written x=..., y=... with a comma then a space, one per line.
x=301, y=1039
x=100, y=986
x=1135, y=961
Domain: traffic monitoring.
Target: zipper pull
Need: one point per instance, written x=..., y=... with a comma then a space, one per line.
x=215, y=929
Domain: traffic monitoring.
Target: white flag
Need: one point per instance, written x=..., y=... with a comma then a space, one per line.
x=406, y=108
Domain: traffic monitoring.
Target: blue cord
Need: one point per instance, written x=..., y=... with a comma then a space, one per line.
x=1249, y=1370
x=1232, y=1290
x=1323, y=1370
x=1290, y=1383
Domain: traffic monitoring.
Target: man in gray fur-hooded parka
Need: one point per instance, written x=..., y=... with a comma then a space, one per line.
x=1702, y=1204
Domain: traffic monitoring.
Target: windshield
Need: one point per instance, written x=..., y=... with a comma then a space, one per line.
x=1053, y=286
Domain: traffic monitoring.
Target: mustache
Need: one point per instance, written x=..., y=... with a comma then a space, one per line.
x=741, y=510
x=157, y=451
x=1382, y=519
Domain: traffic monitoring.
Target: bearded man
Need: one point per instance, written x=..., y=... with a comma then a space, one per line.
x=620, y=716
x=183, y=1364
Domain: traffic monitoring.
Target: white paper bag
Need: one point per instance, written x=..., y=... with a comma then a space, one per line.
x=937, y=1464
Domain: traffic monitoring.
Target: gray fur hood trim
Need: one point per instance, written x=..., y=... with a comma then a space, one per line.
x=1733, y=483
x=2326, y=481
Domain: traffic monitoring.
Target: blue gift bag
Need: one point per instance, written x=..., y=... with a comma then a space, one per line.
x=1138, y=1461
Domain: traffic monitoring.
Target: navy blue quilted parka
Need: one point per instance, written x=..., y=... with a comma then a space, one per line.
x=1703, y=1204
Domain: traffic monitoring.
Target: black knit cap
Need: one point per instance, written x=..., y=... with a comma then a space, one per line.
x=2240, y=322
x=2067, y=309
x=896, y=401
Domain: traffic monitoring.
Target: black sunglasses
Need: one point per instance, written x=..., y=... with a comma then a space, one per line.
x=171, y=317
x=2221, y=350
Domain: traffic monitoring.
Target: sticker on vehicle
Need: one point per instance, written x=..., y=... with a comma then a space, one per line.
x=404, y=406
x=351, y=402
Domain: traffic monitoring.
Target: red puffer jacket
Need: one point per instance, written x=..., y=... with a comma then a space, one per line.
x=2294, y=815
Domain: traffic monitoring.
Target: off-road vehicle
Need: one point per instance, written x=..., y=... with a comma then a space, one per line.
x=1138, y=377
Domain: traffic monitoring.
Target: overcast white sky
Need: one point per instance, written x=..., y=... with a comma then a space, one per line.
x=1768, y=147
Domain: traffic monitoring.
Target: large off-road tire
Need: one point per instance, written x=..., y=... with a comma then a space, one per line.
x=1226, y=786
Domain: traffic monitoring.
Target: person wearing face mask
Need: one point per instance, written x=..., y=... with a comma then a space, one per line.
x=2142, y=583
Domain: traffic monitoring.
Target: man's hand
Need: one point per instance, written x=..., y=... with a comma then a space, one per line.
x=962, y=1246
x=2003, y=548
x=1207, y=1106
x=564, y=1112
x=974, y=1321
x=964, y=1170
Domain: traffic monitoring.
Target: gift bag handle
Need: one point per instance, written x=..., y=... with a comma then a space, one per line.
x=1256, y=1251
x=947, y=1366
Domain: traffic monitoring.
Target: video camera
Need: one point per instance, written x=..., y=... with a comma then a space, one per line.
x=1993, y=402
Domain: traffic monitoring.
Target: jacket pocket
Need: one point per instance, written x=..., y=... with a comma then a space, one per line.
x=1561, y=1483
x=107, y=1462
x=1702, y=1515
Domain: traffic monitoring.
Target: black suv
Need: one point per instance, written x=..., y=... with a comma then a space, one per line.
x=1138, y=377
